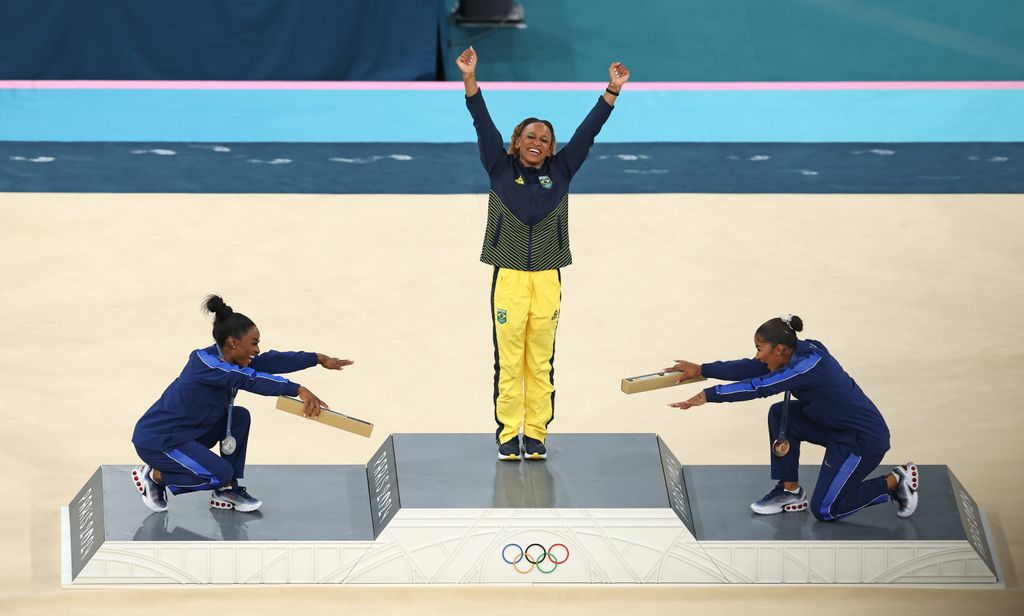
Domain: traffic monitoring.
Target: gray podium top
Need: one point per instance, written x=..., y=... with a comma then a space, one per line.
x=300, y=503
x=582, y=471
x=721, y=510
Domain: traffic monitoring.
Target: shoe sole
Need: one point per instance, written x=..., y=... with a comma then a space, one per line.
x=784, y=509
x=536, y=456
x=513, y=457
x=141, y=487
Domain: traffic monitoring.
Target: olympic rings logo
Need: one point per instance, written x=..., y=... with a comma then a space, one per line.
x=534, y=558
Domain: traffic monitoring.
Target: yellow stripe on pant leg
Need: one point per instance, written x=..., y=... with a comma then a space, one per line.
x=511, y=299
x=539, y=377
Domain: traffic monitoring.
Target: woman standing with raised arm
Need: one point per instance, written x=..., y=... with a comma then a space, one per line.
x=173, y=438
x=527, y=242
x=830, y=410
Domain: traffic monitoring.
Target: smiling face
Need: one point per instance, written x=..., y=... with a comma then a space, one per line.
x=534, y=144
x=240, y=351
x=774, y=355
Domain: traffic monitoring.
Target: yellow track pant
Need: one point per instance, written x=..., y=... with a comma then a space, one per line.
x=524, y=316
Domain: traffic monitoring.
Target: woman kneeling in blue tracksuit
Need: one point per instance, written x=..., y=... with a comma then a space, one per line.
x=829, y=409
x=197, y=410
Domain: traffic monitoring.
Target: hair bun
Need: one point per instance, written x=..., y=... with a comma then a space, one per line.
x=796, y=323
x=214, y=304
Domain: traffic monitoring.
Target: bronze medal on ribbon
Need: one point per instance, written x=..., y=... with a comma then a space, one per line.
x=780, y=447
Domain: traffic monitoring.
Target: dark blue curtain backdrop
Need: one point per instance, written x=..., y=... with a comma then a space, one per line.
x=292, y=40
x=756, y=40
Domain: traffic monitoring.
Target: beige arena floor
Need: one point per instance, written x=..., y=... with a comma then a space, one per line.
x=920, y=297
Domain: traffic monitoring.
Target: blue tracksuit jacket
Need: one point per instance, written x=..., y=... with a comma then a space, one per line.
x=199, y=397
x=528, y=208
x=833, y=400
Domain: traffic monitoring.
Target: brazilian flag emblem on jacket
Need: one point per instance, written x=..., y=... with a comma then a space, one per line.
x=502, y=317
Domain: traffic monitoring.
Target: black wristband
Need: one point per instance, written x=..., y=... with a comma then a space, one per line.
x=612, y=92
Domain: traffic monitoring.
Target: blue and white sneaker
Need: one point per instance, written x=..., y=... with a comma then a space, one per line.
x=235, y=498
x=534, y=448
x=510, y=449
x=780, y=499
x=154, y=495
x=905, y=494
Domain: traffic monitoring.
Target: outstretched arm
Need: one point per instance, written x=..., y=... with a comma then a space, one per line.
x=571, y=157
x=734, y=370
x=492, y=151
x=209, y=369
x=789, y=377
x=283, y=362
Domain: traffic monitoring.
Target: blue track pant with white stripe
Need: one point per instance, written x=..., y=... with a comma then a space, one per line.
x=841, y=489
x=191, y=466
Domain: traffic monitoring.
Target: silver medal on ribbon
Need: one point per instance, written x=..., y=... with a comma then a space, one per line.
x=228, y=445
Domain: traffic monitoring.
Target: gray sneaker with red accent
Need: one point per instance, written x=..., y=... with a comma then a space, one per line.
x=780, y=499
x=235, y=497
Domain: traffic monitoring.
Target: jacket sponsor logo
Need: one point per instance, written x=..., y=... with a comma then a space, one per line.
x=502, y=316
x=545, y=181
x=520, y=180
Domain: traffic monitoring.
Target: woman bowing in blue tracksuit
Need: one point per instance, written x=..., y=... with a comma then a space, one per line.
x=197, y=410
x=829, y=409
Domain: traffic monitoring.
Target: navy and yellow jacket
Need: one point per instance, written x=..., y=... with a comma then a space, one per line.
x=199, y=397
x=831, y=397
x=528, y=208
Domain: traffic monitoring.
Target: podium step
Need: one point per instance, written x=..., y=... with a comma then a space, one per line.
x=440, y=508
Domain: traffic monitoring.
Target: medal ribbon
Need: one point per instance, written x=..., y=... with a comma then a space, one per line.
x=782, y=422
x=231, y=403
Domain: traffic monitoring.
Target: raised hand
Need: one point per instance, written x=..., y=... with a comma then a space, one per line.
x=467, y=62
x=618, y=74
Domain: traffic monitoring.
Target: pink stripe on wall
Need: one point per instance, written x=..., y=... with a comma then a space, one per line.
x=507, y=85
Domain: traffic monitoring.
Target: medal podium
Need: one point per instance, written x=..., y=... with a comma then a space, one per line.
x=440, y=509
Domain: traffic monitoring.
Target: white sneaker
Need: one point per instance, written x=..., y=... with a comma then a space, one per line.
x=905, y=493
